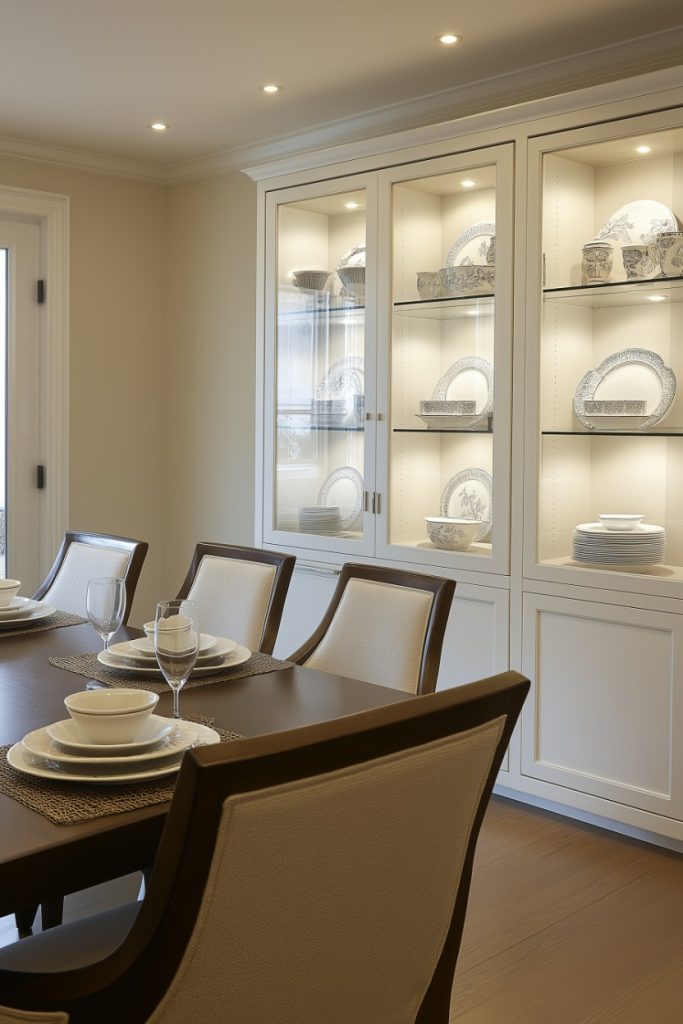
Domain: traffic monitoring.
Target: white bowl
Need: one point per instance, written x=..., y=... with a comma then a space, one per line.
x=111, y=716
x=315, y=280
x=452, y=534
x=620, y=523
x=8, y=591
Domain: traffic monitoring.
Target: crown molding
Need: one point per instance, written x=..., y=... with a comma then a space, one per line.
x=351, y=137
x=80, y=160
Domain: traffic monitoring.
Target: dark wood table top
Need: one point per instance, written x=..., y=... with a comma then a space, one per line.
x=39, y=859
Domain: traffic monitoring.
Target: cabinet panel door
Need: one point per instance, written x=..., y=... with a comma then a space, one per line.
x=310, y=592
x=603, y=715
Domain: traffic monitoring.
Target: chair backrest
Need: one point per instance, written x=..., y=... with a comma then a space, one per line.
x=317, y=875
x=240, y=592
x=85, y=556
x=8, y=1016
x=384, y=626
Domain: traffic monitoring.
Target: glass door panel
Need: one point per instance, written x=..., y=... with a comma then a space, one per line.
x=442, y=362
x=320, y=367
x=611, y=421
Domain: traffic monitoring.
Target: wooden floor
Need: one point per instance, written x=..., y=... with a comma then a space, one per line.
x=569, y=924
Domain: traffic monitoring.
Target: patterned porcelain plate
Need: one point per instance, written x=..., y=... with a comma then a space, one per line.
x=637, y=223
x=469, y=495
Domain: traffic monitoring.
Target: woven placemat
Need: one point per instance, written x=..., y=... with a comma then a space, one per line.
x=51, y=622
x=88, y=665
x=67, y=803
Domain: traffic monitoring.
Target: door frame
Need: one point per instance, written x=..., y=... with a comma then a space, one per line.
x=51, y=212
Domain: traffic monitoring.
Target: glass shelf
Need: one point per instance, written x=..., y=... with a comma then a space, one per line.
x=308, y=426
x=324, y=311
x=440, y=430
x=612, y=433
x=620, y=293
x=447, y=309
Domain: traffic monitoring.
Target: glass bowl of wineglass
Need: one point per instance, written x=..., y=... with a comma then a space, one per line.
x=105, y=603
x=176, y=644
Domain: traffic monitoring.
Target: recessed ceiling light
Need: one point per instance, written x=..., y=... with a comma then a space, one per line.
x=643, y=149
x=271, y=88
x=657, y=298
x=351, y=205
x=468, y=183
x=159, y=126
x=449, y=39
x=473, y=312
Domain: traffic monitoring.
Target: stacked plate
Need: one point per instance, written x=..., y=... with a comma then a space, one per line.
x=62, y=751
x=138, y=658
x=644, y=545
x=325, y=519
x=22, y=611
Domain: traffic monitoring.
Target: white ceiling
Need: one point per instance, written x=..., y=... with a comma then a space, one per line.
x=90, y=75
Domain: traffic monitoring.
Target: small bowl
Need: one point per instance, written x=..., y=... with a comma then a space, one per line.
x=620, y=523
x=8, y=591
x=473, y=279
x=452, y=534
x=111, y=716
x=315, y=280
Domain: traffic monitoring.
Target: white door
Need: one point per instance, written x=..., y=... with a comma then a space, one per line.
x=20, y=404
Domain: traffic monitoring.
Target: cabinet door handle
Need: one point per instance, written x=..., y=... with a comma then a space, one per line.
x=378, y=505
x=380, y=416
x=317, y=570
x=368, y=416
x=366, y=501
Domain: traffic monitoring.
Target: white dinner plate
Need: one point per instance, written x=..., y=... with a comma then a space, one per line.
x=16, y=606
x=176, y=737
x=126, y=654
x=144, y=646
x=644, y=531
x=239, y=655
x=42, y=611
x=18, y=757
x=74, y=741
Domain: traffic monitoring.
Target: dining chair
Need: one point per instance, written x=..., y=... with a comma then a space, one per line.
x=81, y=557
x=239, y=592
x=383, y=626
x=315, y=875
x=8, y=1016
x=84, y=556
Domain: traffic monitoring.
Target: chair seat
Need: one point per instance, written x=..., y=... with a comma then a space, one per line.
x=71, y=945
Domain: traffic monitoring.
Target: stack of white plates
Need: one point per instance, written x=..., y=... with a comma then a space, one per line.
x=22, y=611
x=320, y=519
x=138, y=658
x=62, y=751
x=644, y=545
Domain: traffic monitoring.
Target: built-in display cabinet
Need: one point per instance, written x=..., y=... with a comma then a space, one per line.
x=399, y=306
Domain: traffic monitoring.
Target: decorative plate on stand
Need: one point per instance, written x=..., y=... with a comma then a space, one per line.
x=472, y=246
x=590, y=382
x=469, y=495
x=351, y=510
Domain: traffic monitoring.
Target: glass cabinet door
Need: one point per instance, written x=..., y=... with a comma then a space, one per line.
x=322, y=454
x=611, y=422
x=450, y=340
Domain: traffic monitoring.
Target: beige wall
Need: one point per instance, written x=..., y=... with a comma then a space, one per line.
x=117, y=357
x=211, y=362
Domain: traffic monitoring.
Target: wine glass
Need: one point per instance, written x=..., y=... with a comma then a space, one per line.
x=176, y=643
x=105, y=602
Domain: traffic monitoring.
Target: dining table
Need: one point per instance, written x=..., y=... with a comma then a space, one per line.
x=41, y=860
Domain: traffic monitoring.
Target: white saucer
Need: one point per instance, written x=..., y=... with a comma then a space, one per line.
x=41, y=611
x=144, y=646
x=19, y=758
x=16, y=606
x=72, y=740
x=176, y=738
x=239, y=655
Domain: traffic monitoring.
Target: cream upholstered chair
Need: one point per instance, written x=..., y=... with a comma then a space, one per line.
x=239, y=592
x=384, y=626
x=320, y=875
x=85, y=556
x=8, y=1016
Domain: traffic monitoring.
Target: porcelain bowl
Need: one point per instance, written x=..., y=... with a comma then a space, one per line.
x=472, y=279
x=452, y=534
x=620, y=523
x=8, y=591
x=315, y=280
x=111, y=716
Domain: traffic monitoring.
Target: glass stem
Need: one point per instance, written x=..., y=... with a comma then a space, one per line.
x=106, y=642
x=176, y=702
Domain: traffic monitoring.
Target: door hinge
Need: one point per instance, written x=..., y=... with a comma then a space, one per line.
x=40, y=292
x=40, y=477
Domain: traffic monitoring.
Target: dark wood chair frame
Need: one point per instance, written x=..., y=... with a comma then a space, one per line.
x=130, y=982
x=443, y=591
x=52, y=910
x=284, y=567
x=137, y=550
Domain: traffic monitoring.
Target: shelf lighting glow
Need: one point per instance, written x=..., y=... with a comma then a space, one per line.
x=643, y=149
x=468, y=183
x=657, y=298
x=351, y=205
x=271, y=88
x=449, y=39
